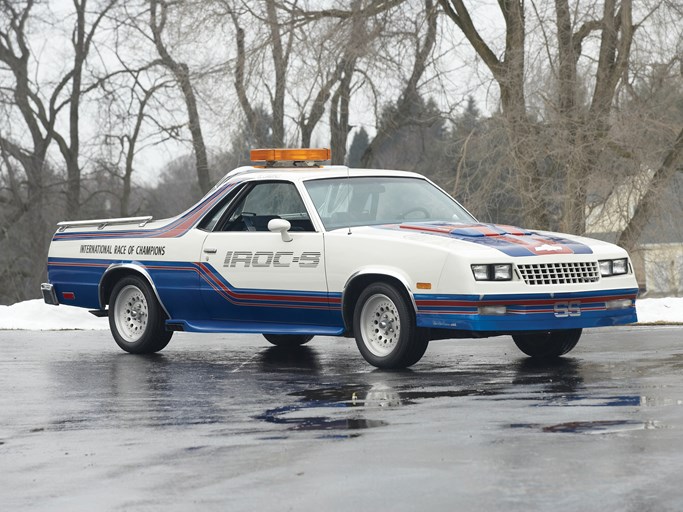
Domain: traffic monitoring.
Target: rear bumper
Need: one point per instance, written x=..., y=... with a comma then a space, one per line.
x=49, y=294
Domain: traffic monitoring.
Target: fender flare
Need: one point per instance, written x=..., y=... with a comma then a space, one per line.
x=135, y=268
x=380, y=271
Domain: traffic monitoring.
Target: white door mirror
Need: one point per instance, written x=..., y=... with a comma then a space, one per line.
x=282, y=226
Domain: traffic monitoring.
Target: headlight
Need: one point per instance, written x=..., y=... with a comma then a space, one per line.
x=620, y=266
x=613, y=267
x=481, y=272
x=502, y=272
x=494, y=272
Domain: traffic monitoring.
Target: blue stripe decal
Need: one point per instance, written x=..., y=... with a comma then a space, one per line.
x=179, y=285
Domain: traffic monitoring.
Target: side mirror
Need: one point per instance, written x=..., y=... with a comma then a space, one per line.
x=282, y=226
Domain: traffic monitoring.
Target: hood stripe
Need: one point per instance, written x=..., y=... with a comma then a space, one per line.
x=509, y=240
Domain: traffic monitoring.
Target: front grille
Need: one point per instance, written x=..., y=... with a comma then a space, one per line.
x=560, y=273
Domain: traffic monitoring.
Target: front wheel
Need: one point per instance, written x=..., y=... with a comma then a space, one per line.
x=385, y=328
x=288, y=340
x=547, y=344
x=136, y=319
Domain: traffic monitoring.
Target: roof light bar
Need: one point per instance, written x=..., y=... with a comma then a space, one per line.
x=291, y=155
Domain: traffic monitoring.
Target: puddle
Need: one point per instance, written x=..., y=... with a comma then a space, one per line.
x=343, y=424
x=347, y=407
x=593, y=401
x=68, y=424
x=591, y=427
x=195, y=448
x=657, y=401
x=338, y=436
x=381, y=395
x=331, y=406
x=290, y=416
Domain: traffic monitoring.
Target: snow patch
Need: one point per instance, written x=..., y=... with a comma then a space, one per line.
x=37, y=316
x=667, y=310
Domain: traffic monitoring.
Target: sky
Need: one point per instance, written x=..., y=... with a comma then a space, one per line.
x=36, y=315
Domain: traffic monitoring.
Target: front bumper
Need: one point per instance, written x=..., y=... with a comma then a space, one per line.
x=531, y=312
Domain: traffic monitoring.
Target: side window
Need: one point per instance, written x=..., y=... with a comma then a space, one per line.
x=267, y=201
x=208, y=223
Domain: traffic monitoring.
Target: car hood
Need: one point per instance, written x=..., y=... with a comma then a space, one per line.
x=509, y=240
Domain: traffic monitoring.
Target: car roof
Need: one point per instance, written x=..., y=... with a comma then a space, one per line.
x=307, y=173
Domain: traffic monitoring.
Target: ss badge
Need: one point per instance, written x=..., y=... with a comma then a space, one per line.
x=565, y=309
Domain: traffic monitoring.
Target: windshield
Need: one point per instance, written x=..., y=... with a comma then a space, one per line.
x=373, y=200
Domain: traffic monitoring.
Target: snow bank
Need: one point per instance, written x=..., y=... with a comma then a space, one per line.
x=667, y=310
x=36, y=315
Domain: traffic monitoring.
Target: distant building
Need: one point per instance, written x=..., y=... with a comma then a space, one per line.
x=658, y=259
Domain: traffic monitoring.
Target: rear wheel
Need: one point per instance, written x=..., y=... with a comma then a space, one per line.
x=288, y=340
x=136, y=319
x=547, y=344
x=385, y=328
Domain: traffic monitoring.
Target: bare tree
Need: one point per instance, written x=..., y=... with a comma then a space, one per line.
x=661, y=178
x=410, y=96
x=130, y=104
x=327, y=63
x=40, y=114
x=180, y=70
x=309, y=120
x=582, y=129
x=279, y=40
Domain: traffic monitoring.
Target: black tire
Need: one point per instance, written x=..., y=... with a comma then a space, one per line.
x=419, y=348
x=288, y=340
x=385, y=328
x=547, y=344
x=136, y=318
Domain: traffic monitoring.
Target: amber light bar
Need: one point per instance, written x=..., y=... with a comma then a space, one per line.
x=290, y=155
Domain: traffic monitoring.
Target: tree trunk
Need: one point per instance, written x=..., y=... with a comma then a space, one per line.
x=181, y=73
x=410, y=94
x=280, y=59
x=339, y=116
x=306, y=125
x=629, y=238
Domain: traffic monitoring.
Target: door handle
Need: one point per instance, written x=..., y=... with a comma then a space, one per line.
x=210, y=250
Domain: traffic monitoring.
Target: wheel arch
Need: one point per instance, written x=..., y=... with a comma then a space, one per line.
x=360, y=280
x=117, y=271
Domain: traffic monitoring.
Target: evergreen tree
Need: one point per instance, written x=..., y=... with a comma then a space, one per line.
x=359, y=144
x=413, y=140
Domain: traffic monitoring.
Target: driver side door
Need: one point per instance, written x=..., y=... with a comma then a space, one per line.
x=253, y=275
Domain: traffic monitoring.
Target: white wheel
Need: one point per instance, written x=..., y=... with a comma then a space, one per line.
x=131, y=313
x=136, y=319
x=384, y=327
x=380, y=325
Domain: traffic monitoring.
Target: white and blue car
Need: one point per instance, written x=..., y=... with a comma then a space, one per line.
x=292, y=249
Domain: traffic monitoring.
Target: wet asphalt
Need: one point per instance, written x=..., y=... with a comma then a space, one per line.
x=228, y=423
